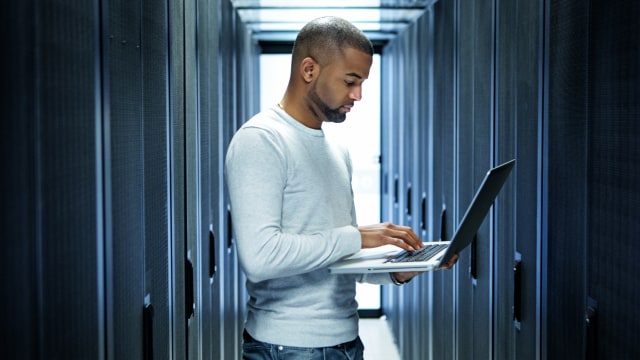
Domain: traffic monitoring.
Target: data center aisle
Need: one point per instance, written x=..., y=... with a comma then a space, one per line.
x=377, y=339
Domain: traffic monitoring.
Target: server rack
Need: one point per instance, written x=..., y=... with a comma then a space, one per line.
x=463, y=301
x=517, y=127
x=120, y=221
x=50, y=192
x=444, y=128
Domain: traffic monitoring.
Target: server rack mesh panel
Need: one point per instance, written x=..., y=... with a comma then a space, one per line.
x=193, y=182
x=613, y=177
x=444, y=131
x=518, y=111
x=473, y=158
x=156, y=210
x=567, y=116
x=17, y=154
x=125, y=170
x=65, y=187
x=177, y=153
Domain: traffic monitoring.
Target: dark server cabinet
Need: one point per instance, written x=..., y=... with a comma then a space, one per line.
x=460, y=135
x=18, y=258
x=158, y=312
x=204, y=235
x=473, y=157
x=52, y=303
x=123, y=245
x=387, y=172
x=405, y=168
x=96, y=192
x=180, y=288
x=197, y=181
x=565, y=166
x=442, y=201
x=221, y=64
x=423, y=194
x=408, y=70
x=409, y=169
x=392, y=187
x=207, y=55
x=421, y=65
x=124, y=180
x=517, y=123
x=554, y=85
x=412, y=51
x=139, y=246
x=225, y=281
x=612, y=318
x=399, y=171
x=591, y=180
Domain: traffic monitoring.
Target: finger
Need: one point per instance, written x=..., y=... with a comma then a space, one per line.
x=408, y=236
x=401, y=244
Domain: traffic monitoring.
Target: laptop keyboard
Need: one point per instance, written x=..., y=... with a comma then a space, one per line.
x=423, y=254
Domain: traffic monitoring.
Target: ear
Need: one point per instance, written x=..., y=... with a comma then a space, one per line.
x=308, y=69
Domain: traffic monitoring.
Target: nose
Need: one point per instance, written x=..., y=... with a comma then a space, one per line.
x=356, y=93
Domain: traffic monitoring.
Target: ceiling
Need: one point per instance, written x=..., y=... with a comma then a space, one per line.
x=280, y=20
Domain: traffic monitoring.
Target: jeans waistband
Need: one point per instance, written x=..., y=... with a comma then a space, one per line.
x=346, y=345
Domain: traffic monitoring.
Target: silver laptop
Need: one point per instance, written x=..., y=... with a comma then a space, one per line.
x=390, y=258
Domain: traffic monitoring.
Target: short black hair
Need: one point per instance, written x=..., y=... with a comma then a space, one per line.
x=324, y=38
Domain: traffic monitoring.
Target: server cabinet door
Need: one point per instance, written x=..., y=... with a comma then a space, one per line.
x=17, y=155
x=518, y=262
x=158, y=217
x=613, y=184
x=196, y=182
x=444, y=130
x=564, y=184
x=411, y=161
x=124, y=180
x=390, y=148
x=176, y=150
x=51, y=302
x=473, y=156
x=206, y=144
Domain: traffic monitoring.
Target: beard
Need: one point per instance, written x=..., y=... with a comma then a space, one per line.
x=317, y=105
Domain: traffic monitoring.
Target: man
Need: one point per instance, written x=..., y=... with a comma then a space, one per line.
x=292, y=205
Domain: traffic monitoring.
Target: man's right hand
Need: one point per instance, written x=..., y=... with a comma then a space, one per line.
x=389, y=234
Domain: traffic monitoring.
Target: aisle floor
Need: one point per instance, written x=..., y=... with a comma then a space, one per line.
x=377, y=339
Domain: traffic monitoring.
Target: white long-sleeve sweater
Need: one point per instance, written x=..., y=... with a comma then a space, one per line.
x=293, y=215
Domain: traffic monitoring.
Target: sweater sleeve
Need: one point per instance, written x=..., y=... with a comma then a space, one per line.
x=256, y=174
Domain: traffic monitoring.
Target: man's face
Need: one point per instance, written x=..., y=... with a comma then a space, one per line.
x=339, y=85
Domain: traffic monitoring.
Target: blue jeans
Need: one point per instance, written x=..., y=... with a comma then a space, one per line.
x=253, y=349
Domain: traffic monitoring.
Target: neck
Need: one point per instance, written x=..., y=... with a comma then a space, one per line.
x=301, y=114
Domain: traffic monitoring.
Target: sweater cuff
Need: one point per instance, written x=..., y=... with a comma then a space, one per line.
x=349, y=239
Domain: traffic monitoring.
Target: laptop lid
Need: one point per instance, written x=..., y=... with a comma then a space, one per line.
x=477, y=211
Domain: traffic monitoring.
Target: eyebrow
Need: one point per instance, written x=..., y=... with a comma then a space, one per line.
x=354, y=75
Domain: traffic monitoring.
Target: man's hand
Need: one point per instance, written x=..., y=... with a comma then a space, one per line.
x=387, y=233
x=450, y=263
